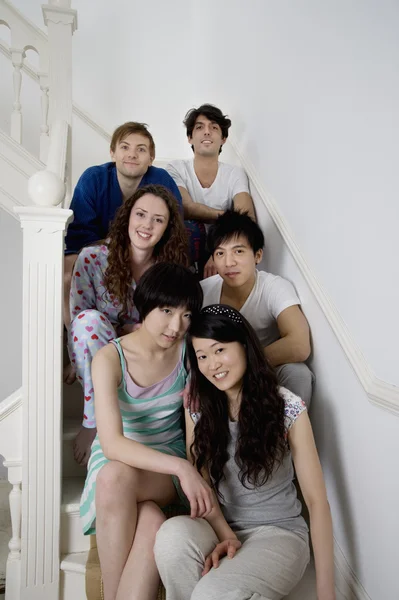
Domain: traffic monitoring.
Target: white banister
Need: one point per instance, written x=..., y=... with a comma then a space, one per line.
x=17, y=57
x=43, y=247
x=61, y=23
x=58, y=150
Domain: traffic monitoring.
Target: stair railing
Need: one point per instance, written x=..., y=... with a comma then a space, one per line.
x=33, y=566
x=44, y=225
x=55, y=71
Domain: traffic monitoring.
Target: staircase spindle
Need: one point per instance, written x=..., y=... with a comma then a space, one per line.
x=44, y=127
x=17, y=58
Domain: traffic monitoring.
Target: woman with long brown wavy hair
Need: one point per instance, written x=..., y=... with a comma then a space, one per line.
x=147, y=229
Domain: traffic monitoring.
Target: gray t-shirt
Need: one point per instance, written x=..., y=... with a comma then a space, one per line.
x=274, y=503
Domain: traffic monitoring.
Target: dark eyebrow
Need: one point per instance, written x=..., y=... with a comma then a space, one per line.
x=234, y=247
x=138, y=145
x=146, y=211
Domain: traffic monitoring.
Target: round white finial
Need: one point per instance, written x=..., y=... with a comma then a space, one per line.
x=45, y=188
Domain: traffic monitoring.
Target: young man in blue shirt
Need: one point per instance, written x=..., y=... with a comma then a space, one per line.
x=102, y=189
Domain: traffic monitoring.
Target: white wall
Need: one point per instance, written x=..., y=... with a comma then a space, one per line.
x=11, y=304
x=131, y=61
x=313, y=91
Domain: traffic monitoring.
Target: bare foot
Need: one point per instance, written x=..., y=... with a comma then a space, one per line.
x=82, y=445
x=69, y=374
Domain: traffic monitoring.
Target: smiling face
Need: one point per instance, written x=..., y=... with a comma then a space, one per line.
x=148, y=221
x=132, y=155
x=206, y=138
x=236, y=262
x=223, y=364
x=167, y=325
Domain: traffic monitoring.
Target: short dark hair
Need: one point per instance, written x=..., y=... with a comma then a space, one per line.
x=232, y=224
x=211, y=112
x=167, y=284
x=126, y=129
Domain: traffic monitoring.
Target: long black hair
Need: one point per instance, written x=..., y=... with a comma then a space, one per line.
x=261, y=442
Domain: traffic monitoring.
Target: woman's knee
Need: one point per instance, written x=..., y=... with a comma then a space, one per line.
x=115, y=484
x=173, y=537
x=180, y=534
x=88, y=318
x=150, y=517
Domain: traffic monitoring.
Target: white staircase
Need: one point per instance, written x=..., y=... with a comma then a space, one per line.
x=38, y=423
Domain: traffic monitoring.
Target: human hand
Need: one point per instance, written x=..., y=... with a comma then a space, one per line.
x=197, y=491
x=210, y=268
x=226, y=548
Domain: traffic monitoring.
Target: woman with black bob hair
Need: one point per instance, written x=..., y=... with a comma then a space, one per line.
x=138, y=459
x=245, y=441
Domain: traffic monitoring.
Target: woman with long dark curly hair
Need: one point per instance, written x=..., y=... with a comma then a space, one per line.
x=147, y=229
x=246, y=441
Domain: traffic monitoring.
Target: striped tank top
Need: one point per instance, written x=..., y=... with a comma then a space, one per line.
x=150, y=415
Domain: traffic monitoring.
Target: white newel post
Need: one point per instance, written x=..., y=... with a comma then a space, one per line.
x=61, y=23
x=43, y=249
x=17, y=57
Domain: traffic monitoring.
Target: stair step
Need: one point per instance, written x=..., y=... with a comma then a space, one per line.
x=73, y=569
x=70, y=467
x=74, y=562
x=72, y=538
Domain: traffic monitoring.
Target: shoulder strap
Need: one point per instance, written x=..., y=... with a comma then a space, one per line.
x=122, y=358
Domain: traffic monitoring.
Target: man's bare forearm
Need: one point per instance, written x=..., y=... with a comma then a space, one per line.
x=201, y=212
x=287, y=350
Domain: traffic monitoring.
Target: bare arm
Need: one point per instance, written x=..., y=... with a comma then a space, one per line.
x=196, y=210
x=294, y=344
x=243, y=202
x=106, y=373
x=311, y=481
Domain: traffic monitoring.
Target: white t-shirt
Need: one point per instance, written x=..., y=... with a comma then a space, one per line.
x=270, y=295
x=230, y=180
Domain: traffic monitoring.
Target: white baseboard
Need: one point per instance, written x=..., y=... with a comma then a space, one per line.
x=346, y=581
x=383, y=394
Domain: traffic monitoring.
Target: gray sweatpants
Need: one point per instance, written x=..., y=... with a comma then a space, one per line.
x=270, y=562
x=297, y=378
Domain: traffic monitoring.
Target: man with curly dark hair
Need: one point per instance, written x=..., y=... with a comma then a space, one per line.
x=208, y=186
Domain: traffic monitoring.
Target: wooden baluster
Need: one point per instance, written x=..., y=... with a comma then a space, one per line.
x=17, y=57
x=44, y=128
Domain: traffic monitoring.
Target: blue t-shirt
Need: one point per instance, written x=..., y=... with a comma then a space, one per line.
x=96, y=199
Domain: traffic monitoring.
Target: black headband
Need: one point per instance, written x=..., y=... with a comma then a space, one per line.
x=221, y=309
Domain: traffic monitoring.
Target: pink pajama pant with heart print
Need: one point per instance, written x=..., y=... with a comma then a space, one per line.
x=90, y=330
